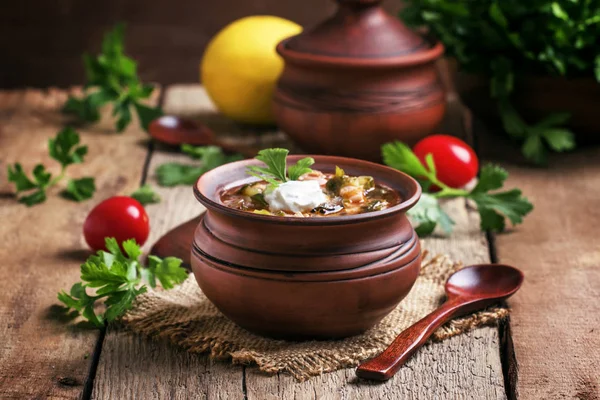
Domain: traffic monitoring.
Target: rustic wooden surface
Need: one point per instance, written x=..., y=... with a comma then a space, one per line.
x=555, y=321
x=41, y=356
x=467, y=366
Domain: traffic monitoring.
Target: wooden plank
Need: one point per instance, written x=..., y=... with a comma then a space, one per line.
x=135, y=367
x=556, y=314
x=156, y=369
x=42, y=246
x=463, y=367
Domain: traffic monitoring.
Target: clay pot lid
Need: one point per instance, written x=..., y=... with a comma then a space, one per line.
x=360, y=29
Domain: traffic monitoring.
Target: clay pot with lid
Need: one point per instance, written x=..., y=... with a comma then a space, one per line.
x=356, y=81
x=314, y=277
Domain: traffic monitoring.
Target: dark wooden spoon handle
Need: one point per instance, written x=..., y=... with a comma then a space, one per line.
x=385, y=365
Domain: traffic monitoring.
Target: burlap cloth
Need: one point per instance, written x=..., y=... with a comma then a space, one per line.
x=188, y=319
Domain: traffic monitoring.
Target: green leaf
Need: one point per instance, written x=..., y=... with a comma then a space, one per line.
x=558, y=12
x=120, y=302
x=427, y=214
x=146, y=195
x=275, y=160
x=168, y=271
x=172, y=174
x=83, y=109
x=210, y=156
x=430, y=164
x=399, y=156
x=510, y=204
x=124, y=115
x=132, y=249
x=19, y=178
x=112, y=246
x=147, y=114
x=497, y=15
x=300, y=168
x=533, y=149
x=100, y=274
x=63, y=148
x=553, y=120
x=597, y=67
x=491, y=177
x=37, y=197
x=80, y=189
x=559, y=139
x=511, y=120
x=101, y=97
x=145, y=91
x=42, y=177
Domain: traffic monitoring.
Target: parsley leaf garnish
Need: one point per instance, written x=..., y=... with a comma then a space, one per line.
x=112, y=78
x=80, y=189
x=276, y=170
x=118, y=278
x=210, y=157
x=427, y=214
x=146, y=195
x=65, y=149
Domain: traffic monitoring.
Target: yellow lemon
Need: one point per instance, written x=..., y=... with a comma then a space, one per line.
x=240, y=67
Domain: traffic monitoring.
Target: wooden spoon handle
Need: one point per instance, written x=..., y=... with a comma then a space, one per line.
x=385, y=365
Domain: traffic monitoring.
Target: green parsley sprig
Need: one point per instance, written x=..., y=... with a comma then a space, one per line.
x=493, y=206
x=118, y=278
x=210, y=157
x=112, y=78
x=146, y=195
x=276, y=170
x=65, y=149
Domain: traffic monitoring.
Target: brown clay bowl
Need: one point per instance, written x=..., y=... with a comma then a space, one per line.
x=308, y=236
x=305, y=277
x=218, y=249
x=307, y=305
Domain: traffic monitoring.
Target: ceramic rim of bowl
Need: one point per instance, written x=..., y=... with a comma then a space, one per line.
x=407, y=182
x=434, y=52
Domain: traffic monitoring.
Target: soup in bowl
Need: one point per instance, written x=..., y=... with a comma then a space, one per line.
x=328, y=260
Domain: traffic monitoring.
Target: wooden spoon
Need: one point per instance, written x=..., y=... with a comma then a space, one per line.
x=470, y=289
x=175, y=131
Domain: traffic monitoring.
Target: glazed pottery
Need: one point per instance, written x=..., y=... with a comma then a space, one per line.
x=536, y=97
x=305, y=277
x=358, y=80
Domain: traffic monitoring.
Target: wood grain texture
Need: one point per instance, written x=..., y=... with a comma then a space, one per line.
x=42, y=354
x=556, y=315
x=135, y=367
x=467, y=366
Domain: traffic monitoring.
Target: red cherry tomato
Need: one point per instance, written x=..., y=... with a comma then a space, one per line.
x=120, y=217
x=455, y=161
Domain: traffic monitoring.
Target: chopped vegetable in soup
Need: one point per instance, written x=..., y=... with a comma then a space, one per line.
x=313, y=194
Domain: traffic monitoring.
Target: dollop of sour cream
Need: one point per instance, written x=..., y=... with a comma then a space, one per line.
x=296, y=196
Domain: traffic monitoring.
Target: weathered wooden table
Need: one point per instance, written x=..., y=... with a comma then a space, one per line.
x=550, y=349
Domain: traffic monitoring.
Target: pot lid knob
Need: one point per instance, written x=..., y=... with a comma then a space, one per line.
x=360, y=29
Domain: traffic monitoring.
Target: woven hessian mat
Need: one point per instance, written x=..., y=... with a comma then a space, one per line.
x=188, y=319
